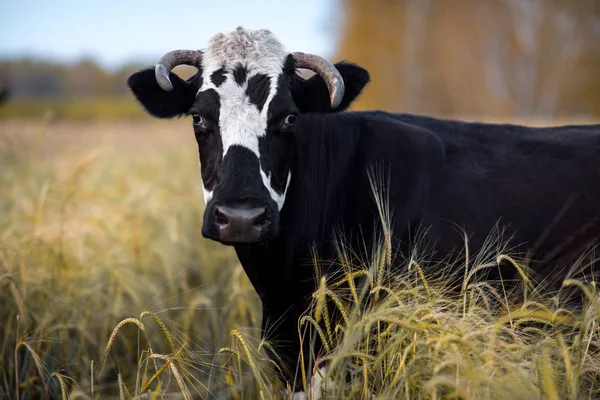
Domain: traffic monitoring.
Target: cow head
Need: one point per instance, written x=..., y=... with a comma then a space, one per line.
x=245, y=103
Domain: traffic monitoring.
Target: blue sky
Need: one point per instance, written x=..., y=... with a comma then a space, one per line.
x=114, y=32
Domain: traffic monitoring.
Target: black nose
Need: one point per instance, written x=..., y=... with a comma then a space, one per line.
x=240, y=225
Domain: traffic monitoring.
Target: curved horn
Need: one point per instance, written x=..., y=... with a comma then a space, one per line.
x=170, y=61
x=327, y=71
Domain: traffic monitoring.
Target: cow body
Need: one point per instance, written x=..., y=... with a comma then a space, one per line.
x=284, y=168
x=542, y=184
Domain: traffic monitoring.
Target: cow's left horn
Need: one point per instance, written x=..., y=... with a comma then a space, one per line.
x=327, y=71
x=170, y=61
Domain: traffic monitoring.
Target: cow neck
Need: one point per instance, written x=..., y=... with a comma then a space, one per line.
x=283, y=271
x=326, y=148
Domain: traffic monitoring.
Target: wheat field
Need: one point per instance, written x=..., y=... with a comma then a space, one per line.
x=108, y=290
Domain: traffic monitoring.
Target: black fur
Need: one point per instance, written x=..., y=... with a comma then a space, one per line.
x=210, y=142
x=240, y=183
x=258, y=90
x=312, y=95
x=160, y=103
x=239, y=74
x=218, y=77
x=442, y=173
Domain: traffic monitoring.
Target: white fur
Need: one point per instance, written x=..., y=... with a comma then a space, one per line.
x=207, y=195
x=259, y=51
x=278, y=198
x=240, y=121
x=316, y=387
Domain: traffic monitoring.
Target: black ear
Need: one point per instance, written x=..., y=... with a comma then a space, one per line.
x=158, y=102
x=312, y=95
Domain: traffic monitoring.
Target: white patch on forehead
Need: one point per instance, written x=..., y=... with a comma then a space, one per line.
x=240, y=122
x=259, y=52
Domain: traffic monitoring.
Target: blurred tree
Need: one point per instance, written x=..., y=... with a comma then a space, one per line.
x=33, y=78
x=40, y=79
x=85, y=78
x=477, y=58
x=461, y=58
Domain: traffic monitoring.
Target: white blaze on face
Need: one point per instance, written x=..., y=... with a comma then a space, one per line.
x=207, y=193
x=240, y=122
x=279, y=198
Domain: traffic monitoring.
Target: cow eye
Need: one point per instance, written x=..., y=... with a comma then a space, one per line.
x=290, y=119
x=198, y=120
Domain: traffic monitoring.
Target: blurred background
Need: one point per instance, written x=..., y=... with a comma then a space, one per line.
x=473, y=59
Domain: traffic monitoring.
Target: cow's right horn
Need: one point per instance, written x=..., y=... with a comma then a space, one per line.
x=173, y=59
x=327, y=71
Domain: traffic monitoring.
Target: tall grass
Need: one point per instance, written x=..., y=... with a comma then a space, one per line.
x=108, y=290
x=100, y=223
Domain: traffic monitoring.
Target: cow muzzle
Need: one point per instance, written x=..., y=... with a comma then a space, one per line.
x=240, y=224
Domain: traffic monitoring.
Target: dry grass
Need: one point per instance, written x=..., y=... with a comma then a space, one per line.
x=108, y=290
x=100, y=223
x=83, y=109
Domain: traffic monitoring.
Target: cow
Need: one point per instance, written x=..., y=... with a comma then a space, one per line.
x=285, y=164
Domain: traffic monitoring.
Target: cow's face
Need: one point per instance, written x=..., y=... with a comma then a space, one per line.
x=244, y=104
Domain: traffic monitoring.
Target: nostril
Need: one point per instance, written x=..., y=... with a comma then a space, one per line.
x=261, y=219
x=220, y=217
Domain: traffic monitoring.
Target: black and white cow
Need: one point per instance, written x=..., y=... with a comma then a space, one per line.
x=283, y=165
